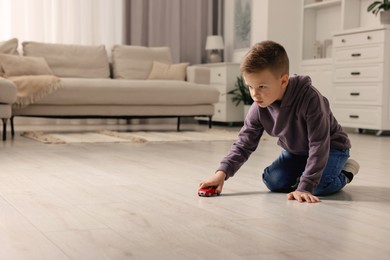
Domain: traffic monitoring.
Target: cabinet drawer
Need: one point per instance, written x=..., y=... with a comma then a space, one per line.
x=360, y=117
x=228, y=112
x=368, y=94
x=359, y=38
x=218, y=75
x=219, y=112
x=359, y=73
x=372, y=53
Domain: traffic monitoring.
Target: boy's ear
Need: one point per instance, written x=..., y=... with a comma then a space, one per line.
x=284, y=80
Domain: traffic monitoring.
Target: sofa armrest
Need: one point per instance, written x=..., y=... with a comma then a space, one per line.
x=7, y=91
x=198, y=74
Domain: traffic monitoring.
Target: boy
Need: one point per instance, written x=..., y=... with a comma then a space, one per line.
x=316, y=149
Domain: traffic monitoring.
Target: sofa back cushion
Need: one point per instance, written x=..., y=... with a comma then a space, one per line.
x=75, y=61
x=135, y=62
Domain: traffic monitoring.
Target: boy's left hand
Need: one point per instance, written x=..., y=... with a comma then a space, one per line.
x=302, y=196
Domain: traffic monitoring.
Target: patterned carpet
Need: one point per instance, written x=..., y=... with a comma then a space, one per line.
x=132, y=137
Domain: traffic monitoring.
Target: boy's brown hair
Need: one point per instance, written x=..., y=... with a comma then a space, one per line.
x=266, y=55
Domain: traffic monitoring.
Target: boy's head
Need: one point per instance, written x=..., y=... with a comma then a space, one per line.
x=265, y=69
x=266, y=55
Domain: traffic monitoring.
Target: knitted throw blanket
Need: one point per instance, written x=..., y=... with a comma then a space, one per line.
x=30, y=89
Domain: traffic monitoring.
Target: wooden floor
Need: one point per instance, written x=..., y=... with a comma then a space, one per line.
x=139, y=201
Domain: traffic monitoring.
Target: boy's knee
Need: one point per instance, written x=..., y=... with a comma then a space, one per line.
x=276, y=182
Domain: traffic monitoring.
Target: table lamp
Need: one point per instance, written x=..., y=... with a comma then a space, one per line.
x=214, y=44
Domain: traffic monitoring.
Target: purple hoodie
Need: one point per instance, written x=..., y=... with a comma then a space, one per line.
x=304, y=124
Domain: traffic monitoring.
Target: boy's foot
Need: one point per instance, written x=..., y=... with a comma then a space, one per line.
x=350, y=169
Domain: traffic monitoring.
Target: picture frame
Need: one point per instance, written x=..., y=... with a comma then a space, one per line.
x=237, y=28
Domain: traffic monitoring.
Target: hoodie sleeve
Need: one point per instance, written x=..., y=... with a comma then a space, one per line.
x=317, y=114
x=247, y=142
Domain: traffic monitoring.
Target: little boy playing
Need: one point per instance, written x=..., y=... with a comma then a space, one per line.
x=314, y=161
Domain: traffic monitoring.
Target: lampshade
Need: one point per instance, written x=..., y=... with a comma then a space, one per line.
x=214, y=42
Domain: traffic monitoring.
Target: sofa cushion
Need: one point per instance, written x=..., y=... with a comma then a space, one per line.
x=168, y=71
x=67, y=60
x=135, y=62
x=9, y=47
x=15, y=65
x=76, y=91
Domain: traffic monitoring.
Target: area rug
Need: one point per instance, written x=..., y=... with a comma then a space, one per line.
x=132, y=137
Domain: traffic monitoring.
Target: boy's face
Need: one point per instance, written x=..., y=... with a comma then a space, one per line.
x=265, y=88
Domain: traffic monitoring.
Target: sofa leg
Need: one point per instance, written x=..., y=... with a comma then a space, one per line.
x=4, y=129
x=210, y=122
x=178, y=124
x=12, y=127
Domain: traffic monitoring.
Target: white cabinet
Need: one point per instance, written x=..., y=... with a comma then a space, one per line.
x=320, y=20
x=223, y=76
x=320, y=73
x=361, y=79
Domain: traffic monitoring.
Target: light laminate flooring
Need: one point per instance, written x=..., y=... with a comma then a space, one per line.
x=139, y=201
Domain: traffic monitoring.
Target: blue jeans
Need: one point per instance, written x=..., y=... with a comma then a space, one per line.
x=284, y=173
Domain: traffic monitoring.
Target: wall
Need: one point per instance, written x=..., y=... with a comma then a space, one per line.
x=277, y=20
x=367, y=19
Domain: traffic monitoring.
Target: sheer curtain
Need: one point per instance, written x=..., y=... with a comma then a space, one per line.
x=183, y=25
x=89, y=22
x=63, y=21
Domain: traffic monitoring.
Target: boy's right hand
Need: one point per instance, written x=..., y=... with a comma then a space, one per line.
x=217, y=180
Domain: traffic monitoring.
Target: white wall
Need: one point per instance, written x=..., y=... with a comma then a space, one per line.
x=285, y=28
x=367, y=19
x=277, y=20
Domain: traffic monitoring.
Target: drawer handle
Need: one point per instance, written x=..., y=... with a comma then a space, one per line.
x=355, y=73
x=353, y=116
x=219, y=74
x=356, y=54
x=355, y=94
x=343, y=40
x=369, y=37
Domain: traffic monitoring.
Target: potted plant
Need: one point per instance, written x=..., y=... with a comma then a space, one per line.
x=241, y=94
x=383, y=7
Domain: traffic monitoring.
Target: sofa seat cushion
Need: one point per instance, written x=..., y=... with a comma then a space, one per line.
x=120, y=111
x=77, y=91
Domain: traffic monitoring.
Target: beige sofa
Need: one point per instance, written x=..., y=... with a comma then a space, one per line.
x=140, y=82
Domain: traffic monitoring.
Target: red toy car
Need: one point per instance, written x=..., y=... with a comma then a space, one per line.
x=208, y=192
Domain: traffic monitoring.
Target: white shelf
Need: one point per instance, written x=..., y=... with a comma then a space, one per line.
x=317, y=61
x=323, y=4
x=320, y=21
